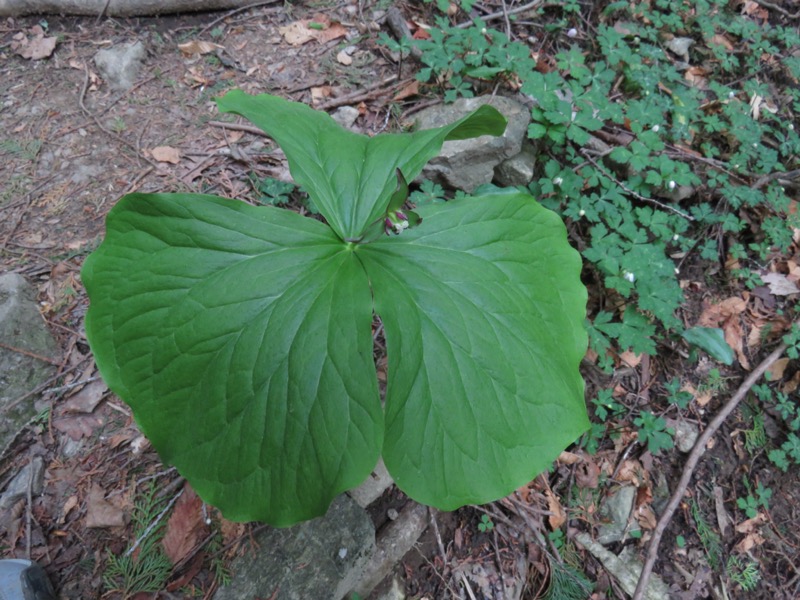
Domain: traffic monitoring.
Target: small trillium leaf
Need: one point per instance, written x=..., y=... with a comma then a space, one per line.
x=483, y=308
x=711, y=340
x=241, y=338
x=400, y=194
x=350, y=177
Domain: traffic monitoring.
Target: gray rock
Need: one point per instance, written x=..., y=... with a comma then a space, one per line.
x=345, y=116
x=393, y=590
x=517, y=170
x=466, y=164
x=30, y=476
x=22, y=327
x=321, y=559
x=686, y=434
x=120, y=66
x=625, y=568
x=615, y=511
x=394, y=540
x=373, y=487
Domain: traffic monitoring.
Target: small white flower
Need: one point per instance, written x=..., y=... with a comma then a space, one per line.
x=581, y=213
x=676, y=237
x=558, y=181
x=483, y=30
x=342, y=553
x=629, y=276
x=755, y=144
x=731, y=95
x=791, y=126
x=572, y=33
x=655, y=128
x=735, y=166
x=677, y=270
x=671, y=185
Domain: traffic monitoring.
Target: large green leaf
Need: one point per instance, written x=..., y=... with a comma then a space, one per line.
x=241, y=338
x=350, y=177
x=241, y=335
x=483, y=307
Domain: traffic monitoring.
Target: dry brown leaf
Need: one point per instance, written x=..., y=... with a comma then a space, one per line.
x=587, y=474
x=777, y=369
x=631, y=359
x=37, y=48
x=100, y=512
x=716, y=314
x=166, y=154
x=78, y=427
x=407, y=91
x=344, y=58
x=319, y=28
x=87, y=399
x=630, y=472
x=752, y=525
x=71, y=503
x=697, y=77
x=559, y=517
x=722, y=40
x=185, y=526
x=750, y=541
x=569, y=458
x=318, y=94
x=734, y=337
x=199, y=47
x=779, y=284
x=646, y=517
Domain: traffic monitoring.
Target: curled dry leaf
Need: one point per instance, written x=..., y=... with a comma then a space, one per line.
x=319, y=28
x=558, y=516
x=344, y=58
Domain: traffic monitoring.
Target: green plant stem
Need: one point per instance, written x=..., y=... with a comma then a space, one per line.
x=691, y=463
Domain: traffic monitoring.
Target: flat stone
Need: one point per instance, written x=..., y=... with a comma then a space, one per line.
x=31, y=476
x=615, y=512
x=373, y=487
x=686, y=434
x=625, y=568
x=394, y=541
x=345, y=116
x=120, y=65
x=466, y=164
x=21, y=327
x=321, y=559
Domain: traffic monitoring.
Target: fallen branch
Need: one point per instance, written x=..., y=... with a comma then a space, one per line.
x=115, y=8
x=688, y=470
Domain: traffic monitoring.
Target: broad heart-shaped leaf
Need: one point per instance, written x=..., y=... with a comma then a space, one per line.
x=482, y=307
x=241, y=337
x=350, y=177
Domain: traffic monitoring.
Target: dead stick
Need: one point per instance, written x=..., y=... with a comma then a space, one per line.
x=691, y=463
x=31, y=354
x=238, y=127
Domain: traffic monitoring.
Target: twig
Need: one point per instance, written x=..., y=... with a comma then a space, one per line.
x=502, y=14
x=780, y=9
x=358, y=96
x=230, y=13
x=691, y=463
x=438, y=537
x=776, y=175
x=680, y=213
x=152, y=525
x=238, y=127
x=30, y=354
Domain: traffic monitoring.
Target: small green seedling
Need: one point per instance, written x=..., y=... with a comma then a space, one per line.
x=486, y=524
x=241, y=335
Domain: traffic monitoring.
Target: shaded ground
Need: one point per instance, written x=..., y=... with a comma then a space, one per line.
x=70, y=147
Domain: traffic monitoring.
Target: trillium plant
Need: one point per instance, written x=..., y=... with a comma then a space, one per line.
x=242, y=336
